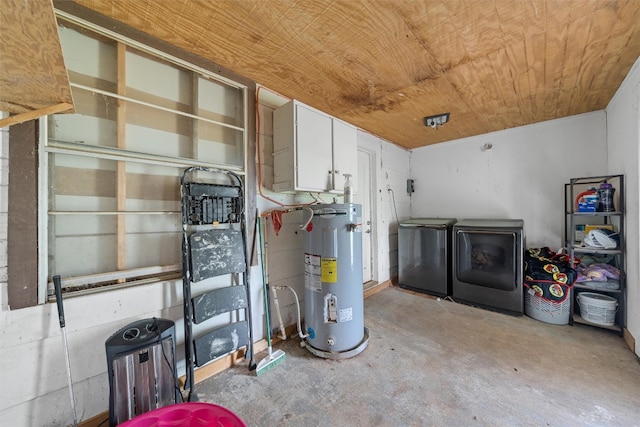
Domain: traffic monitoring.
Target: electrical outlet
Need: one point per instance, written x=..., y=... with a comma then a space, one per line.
x=388, y=187
x=410, y=187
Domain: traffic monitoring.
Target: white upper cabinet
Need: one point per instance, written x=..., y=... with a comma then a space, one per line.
x=345, y=154
x=312, y=150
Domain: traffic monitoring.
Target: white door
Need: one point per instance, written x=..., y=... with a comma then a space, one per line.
x=363, y=197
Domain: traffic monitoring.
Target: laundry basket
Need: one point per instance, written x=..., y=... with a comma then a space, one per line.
x=548, y=280
x=545, y=310
x=597, y=308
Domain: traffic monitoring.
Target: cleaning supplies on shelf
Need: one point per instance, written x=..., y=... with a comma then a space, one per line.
x=587, y=201
x=605, y=198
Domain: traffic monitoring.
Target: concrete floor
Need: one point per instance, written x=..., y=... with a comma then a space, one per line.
x=433, y=363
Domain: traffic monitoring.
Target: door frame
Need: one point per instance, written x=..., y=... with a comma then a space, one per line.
x=372, y=155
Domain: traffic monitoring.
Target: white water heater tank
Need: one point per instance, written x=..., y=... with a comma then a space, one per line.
x=334, y=298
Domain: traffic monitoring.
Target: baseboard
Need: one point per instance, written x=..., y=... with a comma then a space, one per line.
x=628, y=338
x=375, y=288
x=100, y=420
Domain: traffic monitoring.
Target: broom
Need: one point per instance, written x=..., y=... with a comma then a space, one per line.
x=274, y=358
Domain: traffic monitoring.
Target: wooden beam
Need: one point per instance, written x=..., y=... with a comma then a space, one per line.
x=31, y=115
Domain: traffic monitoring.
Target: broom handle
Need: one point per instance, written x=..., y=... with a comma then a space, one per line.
x=265, y=293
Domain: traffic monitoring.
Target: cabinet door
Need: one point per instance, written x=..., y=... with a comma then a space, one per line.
x=313, y=150
x=345, y=155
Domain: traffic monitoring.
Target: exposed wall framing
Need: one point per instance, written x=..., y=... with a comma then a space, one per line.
x=199, y=61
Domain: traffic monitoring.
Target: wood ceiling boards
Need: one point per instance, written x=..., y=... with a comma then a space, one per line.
x=33, y=78
x=383, y=65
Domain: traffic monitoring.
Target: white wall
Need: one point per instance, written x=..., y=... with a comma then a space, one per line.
x=33, y=364
x=522, y=175
x=623, y=137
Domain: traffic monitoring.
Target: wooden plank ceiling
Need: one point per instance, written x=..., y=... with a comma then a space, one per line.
x=383, y=65
x=33, y=78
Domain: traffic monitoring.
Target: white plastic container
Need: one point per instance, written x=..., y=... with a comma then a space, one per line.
x=597, y=308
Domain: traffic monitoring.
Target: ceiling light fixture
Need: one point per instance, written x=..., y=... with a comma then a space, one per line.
x=437, y=120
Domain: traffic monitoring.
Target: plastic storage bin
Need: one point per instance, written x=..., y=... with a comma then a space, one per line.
x=597, y=308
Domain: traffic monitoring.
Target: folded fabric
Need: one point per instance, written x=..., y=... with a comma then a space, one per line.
x=597, y=272
x=589, y=259
x=606, y=285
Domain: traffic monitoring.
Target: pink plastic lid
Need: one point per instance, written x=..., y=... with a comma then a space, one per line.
x=188, y=414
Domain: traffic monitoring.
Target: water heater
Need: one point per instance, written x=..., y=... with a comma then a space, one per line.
x=334, y=299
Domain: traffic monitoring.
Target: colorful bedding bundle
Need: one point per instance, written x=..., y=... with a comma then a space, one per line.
x=548, y=274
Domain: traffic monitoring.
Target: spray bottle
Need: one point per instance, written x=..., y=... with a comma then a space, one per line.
x=348, y=188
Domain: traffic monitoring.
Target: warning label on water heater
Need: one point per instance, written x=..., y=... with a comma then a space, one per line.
x=330, y=270
x=346, y=315
x=312, y=274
